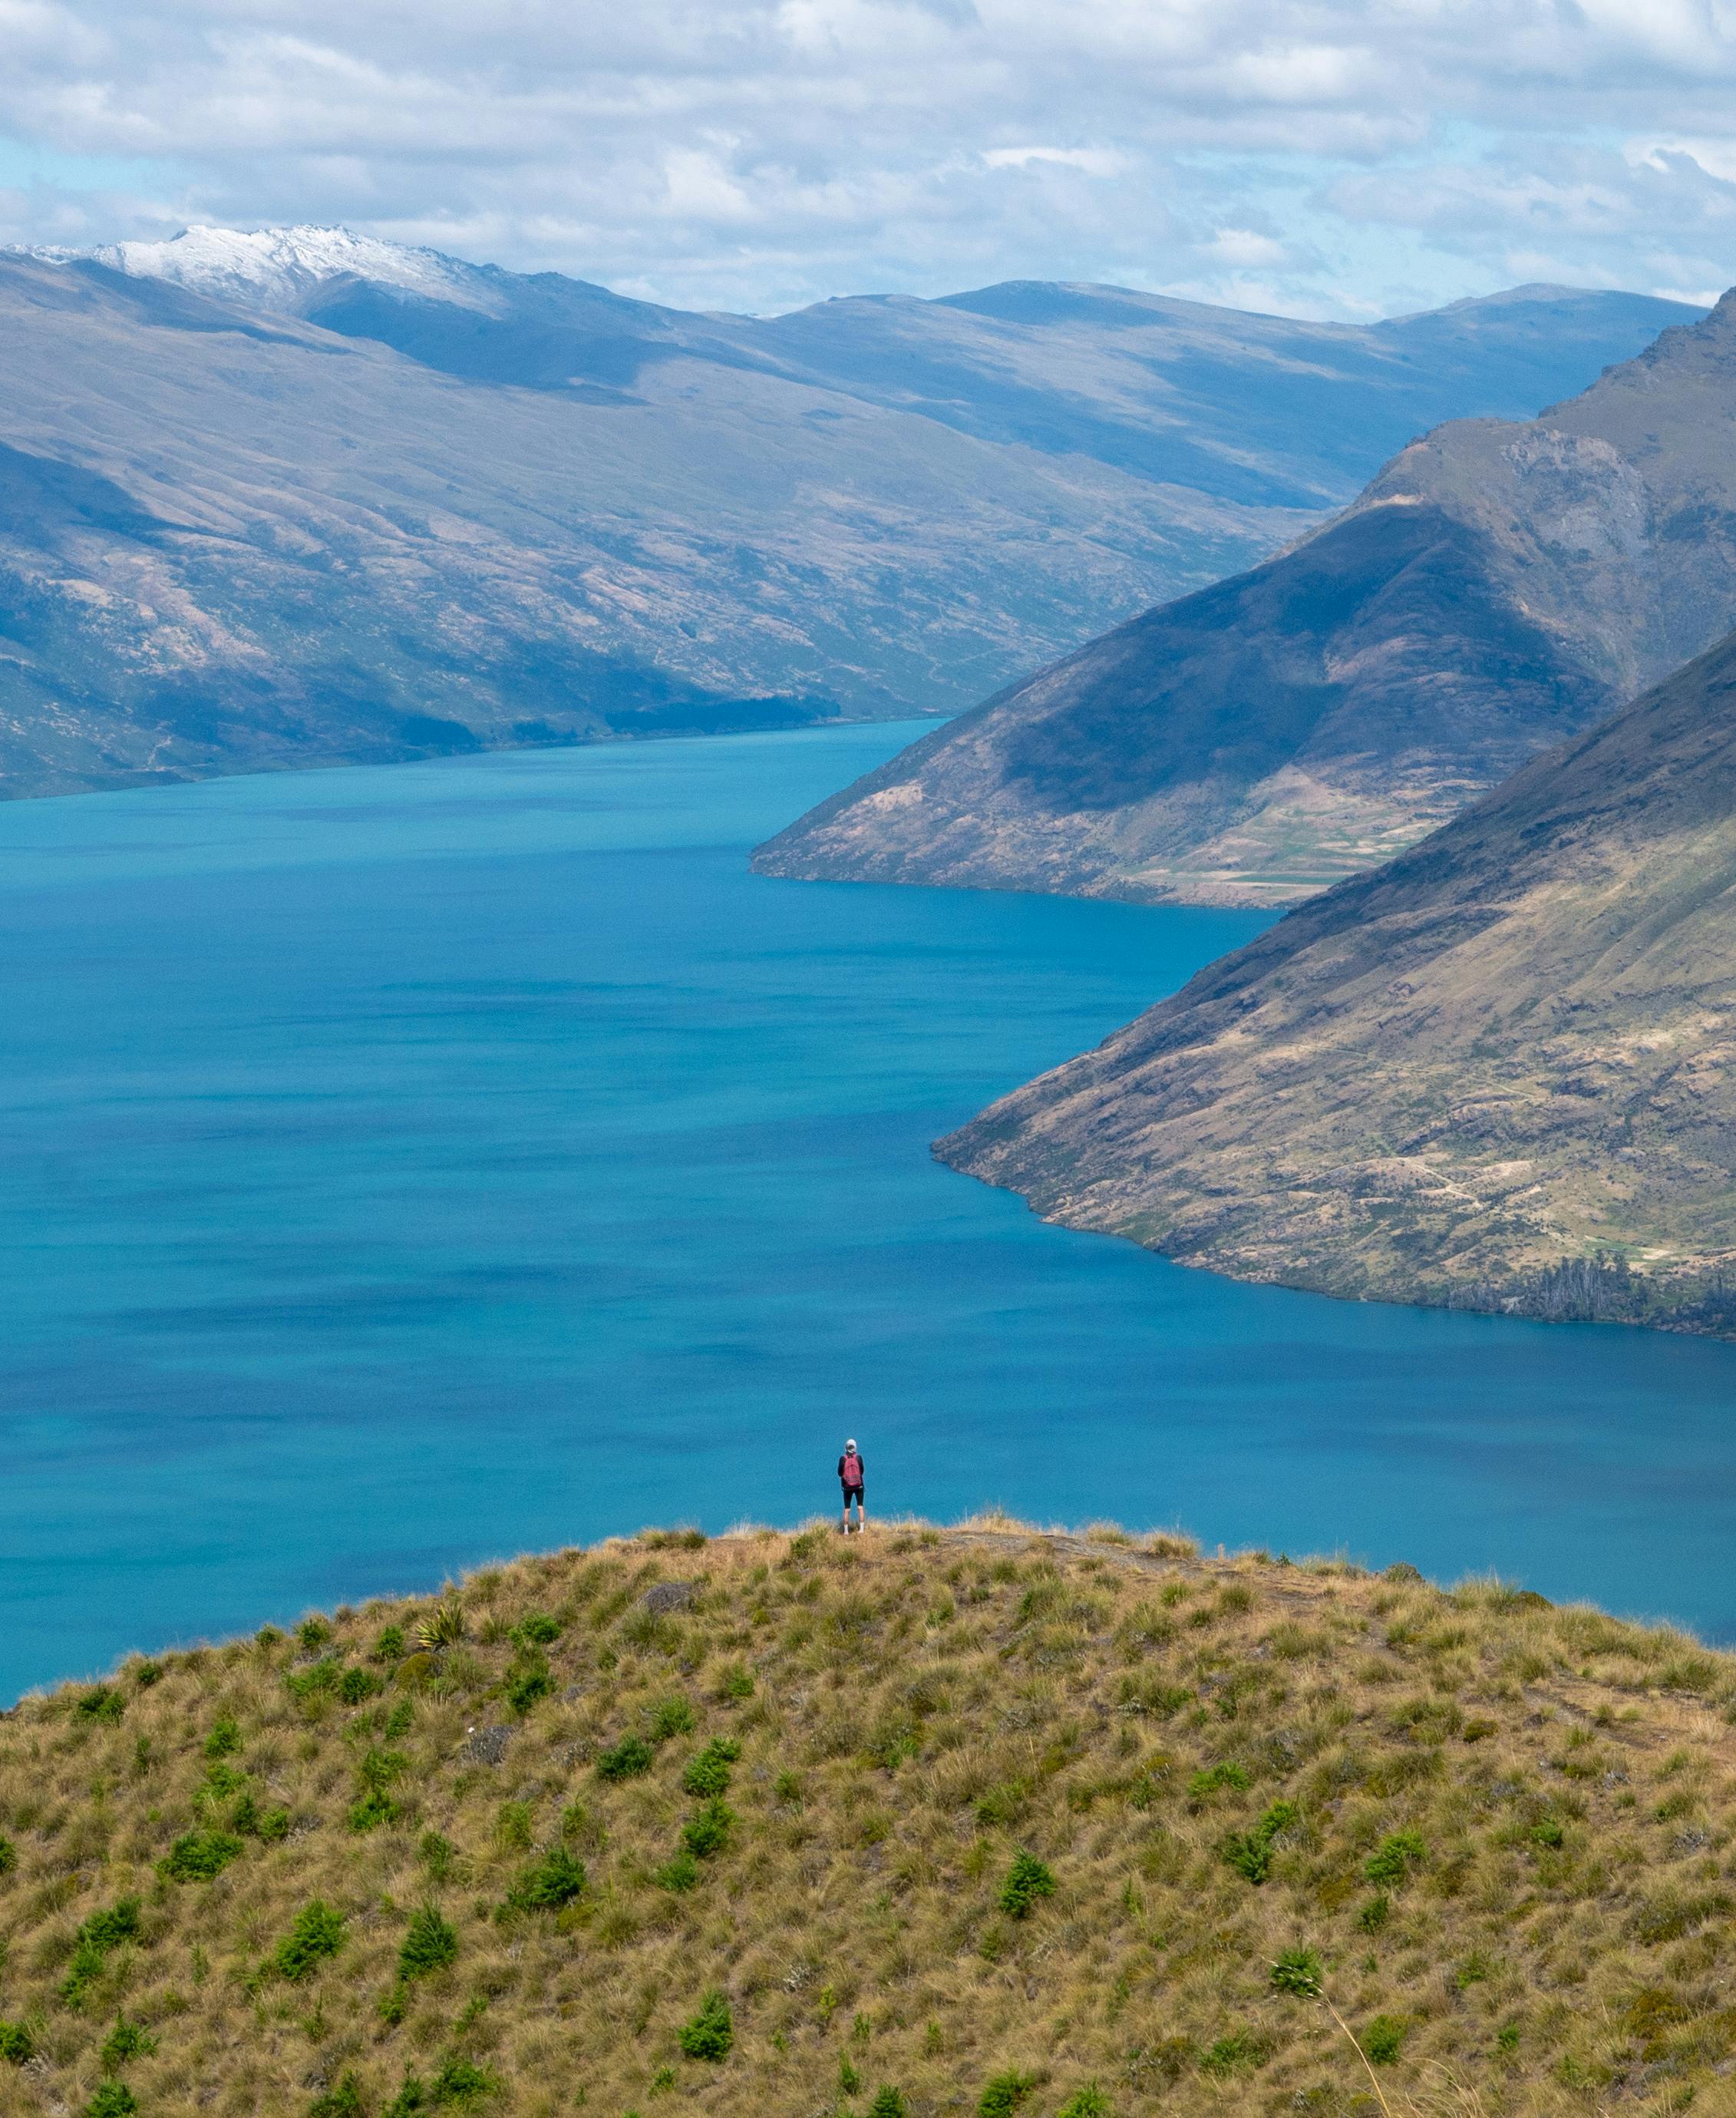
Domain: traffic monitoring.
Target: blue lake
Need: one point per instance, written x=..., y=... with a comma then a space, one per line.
x=403, y=1167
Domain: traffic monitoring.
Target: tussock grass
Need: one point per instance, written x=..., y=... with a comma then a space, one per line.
x=924, y=1822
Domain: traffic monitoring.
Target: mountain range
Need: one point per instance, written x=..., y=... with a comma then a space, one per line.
x=1498, y=586
x=1498, y=1072
x=300, y=497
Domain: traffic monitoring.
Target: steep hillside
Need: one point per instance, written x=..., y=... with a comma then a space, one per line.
x=342, y=499
x=977, y=1820
x=1498, y=587
x=1497, y=1072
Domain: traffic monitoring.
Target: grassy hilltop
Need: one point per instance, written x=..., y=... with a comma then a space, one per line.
x=977, y=1820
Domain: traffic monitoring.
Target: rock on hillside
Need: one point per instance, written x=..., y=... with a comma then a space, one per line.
x=1498, y=587
x=970, y=1821
x=1498, y=1072
x=297, y=497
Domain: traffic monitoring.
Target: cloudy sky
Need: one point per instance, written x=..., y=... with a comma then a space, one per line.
x=1324, y=159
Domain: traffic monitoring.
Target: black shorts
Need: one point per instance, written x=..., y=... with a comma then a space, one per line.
x=857, y=1493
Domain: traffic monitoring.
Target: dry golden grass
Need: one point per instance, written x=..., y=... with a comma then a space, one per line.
x=1551, y=1794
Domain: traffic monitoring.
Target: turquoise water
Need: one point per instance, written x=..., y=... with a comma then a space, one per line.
x=401, y=1168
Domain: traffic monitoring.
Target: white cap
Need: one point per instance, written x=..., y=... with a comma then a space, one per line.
x=849, y=1444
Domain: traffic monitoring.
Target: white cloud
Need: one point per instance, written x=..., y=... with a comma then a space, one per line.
x=1334, y=155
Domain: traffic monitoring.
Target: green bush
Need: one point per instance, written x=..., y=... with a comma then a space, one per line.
x=1028, y=1879
x=631, y=1756
x=1298, y=1971
x=8, y=1856
x=1548, y=1832
x=537, y=1630
x=113, y=2099
x=712, y=2032
x=1397, y=1855
x=734, y=1683
x=387, y=1647
x=429, y=1943
x=437, y=1854
x=224, y=1739
x=270, y=1825
x=708, y=1832
x=528, y=1681
x=1228, y=1774
x=1004, y=2093
x=889, y=2103
x=411, y=2098
x=373, y=1809
x=126, y=2041
x=343, y=2101
x=669, y=1718
x=555, y=1880
x=681, y=1872
x=99, y=1934
x=461, y=2081
x=1375, y=1914
x=198, y=1856
x=708, y=1771
x=144, y=1674
x=1250, y=1853
x=104, y=1703
x=1087, y=2102
x=357, y=1684
x=1234, y=2053
x=16, y=2043
x=1384, y=2039
x=318, y=1932
x=312, y=1633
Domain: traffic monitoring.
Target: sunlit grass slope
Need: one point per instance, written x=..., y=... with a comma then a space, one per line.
x=975, y=1820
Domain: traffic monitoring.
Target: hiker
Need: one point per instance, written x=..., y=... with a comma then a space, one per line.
x=852, y=1473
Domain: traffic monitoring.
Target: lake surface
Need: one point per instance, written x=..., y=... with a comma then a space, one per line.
x=403, y=1167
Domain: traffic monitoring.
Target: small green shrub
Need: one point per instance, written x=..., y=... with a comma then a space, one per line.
x=681, y=1872
x=389, y=1647
x=708, y=1771
x=8, y=1855
x=889, y=2103
x=144, y=1674
x=198, y=1856
x=712, y=2032
x=224, y=1739
x=1548, y=1832
x=357, y=1685
x=113, y=2099
x=734, y=1683
x=411, y=2098
x=103, y=1704
x=1250, y=1853
x=1298, y=1971
x=1004, y=2093
x=1087, y=2102
x=537, y=1630
x=16, y=2044
x=555, y=1880
x=91, y=1949
x=312, y=1633
x=849, y=2081
x=429, y=1943
x=437, y=1854
x=269, y=1825
x=631, y=1756
x=1375, y=1914
x=669, y=1718
x=528, y=1681
x=707, y=1832
x=1026, y=1881
x=1397, y=1855
x=462, y=2082
x=126, y=2041
x=318, y=1932
x=373, y=1809
x=344, y=2100
x=1226, y=1774
x=1384, y=2039
x=1234, y=2054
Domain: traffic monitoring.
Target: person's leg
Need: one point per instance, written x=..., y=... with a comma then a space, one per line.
x=844, y=1521
x=862, y=1507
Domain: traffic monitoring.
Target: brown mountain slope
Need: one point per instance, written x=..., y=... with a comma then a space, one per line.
x=1499, y=1072
x=1499, y=586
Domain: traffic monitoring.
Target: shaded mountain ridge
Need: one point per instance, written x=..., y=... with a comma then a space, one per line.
x=1497, y=586
x=1499, y=1072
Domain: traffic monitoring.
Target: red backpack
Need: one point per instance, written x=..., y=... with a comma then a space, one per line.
x=852, y=1471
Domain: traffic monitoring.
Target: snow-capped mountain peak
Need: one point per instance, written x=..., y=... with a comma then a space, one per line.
x=277, y=268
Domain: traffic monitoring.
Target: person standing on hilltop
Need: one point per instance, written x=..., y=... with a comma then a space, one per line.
x=852, y=1474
